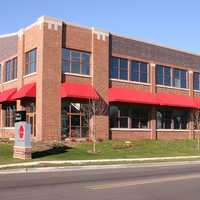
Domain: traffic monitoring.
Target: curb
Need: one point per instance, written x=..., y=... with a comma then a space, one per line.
x=94, y=167
x=79, y=162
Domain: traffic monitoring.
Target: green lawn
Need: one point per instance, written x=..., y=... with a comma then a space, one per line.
x=110, y=149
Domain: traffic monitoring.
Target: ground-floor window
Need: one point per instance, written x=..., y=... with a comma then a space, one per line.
x=75, y=122
x=128, y=116
x=9, y=114
x=168, y=118
x=30, y=107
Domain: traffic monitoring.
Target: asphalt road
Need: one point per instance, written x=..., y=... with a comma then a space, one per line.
x=134, y=183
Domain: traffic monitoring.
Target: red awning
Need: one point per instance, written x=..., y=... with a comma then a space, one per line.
x=75, y=90
x=197, y=102
x=166, y=99
x=131, y=96
x=28, y=90
x=7, y=95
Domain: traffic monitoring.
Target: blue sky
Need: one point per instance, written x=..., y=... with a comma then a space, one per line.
x=174, y=23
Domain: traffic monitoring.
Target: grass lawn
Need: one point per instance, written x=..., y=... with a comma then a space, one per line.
x=110, y=149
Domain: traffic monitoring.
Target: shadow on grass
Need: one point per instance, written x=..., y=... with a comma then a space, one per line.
x=49, y=152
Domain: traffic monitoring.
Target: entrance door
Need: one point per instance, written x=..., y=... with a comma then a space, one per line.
x=31, y=118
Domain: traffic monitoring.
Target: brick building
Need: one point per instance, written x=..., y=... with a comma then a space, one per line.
x=58, y=71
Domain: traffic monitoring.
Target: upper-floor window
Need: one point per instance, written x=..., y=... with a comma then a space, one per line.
x=179, y=78
x=163, y=75
x=30, y=64
x=171, y=76
x=196, y=81
x=119, y=68
x=138, y=71
x=11, y=69
x=75, y=62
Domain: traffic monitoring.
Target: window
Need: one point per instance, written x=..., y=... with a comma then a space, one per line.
x=128, y=116
x=171, y=76
x=172, y=119
x=163, y=75
x=11, y=69
x=119, y=68
x=179, y=78
x=75, y=62
x=139, y=71
x=9, y=114
x=196, y=81
x=139, y=119
x=30, y=62
x=75, y=122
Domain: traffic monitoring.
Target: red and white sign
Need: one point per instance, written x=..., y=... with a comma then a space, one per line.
x=21, y=132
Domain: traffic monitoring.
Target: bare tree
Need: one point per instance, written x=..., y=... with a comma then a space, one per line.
x=196, y=119
x=91, y=110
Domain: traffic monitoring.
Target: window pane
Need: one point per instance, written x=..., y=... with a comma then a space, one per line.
x=75, y=56
x=65, y=54
x=114, y=67
x=85, y=63
x=183, y=79
x=134, y=71
x=196, y=81
x=124, y=69
x=15, y=68
x=143, y=72
x=113, y=116
x=75, y=67
x=159, y=75
x=176, y=78
x=167, y=76
x=123, y=122
x=75, y=120
x=65, y=66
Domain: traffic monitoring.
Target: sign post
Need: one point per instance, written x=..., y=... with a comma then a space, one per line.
x=22, y=147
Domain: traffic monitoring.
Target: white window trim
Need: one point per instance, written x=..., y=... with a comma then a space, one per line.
x=132, y=82
x=130, y=129
x=8, y=128
x=31, y=74
x=171, y=87
x=10, y=81
x=76, y=74
x=173, y=130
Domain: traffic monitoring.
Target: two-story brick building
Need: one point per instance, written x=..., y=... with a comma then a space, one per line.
x=54, y=70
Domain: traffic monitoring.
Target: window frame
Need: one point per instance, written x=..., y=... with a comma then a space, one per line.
x=117, y=69
x=81, y=62
x=172, y=118
x=29, y=62
x=9, y=110
x=129, y=117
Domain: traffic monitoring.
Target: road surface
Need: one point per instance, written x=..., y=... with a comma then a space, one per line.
x=134, y=183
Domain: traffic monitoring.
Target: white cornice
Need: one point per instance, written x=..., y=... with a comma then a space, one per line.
x=8, y=35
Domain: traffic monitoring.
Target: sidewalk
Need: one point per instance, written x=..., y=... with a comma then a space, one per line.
x=97, y=162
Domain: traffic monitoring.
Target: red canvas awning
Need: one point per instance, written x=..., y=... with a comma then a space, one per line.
x=75, y=90
x=7, y=95
x=166, y=99
x=197, y=102
x=131, y=96
x=28, y=90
